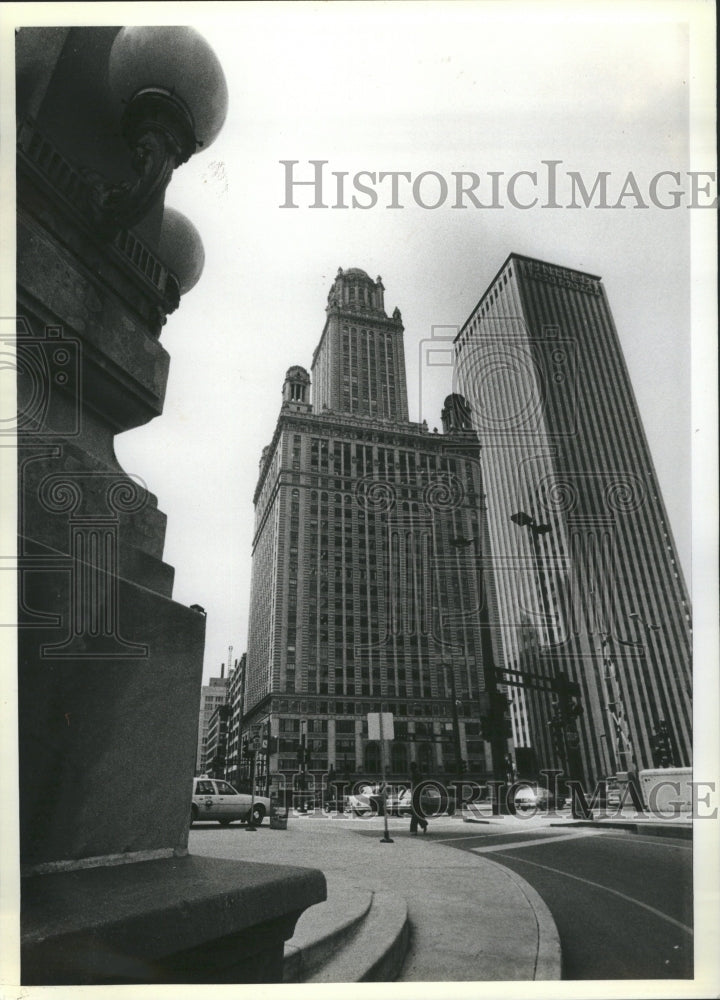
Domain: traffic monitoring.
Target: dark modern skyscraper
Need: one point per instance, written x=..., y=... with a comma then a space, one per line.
x=367, y=563
x=583, y=552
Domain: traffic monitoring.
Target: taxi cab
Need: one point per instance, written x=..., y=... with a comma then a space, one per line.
x=217, y=801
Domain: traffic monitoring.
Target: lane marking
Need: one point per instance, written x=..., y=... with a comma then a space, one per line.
x=504, y=832
x=613, y=892
x=536, y=842
x=633, y=838
x=452, y=840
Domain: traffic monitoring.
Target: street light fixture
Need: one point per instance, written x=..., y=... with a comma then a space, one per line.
x=524, y=520
x=566, y=691
x=171, y=87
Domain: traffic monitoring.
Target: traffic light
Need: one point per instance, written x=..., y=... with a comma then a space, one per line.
x=661, y=747
x=568, y=693
x=556, y=734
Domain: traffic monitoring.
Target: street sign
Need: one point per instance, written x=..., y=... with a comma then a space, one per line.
x=375, y=725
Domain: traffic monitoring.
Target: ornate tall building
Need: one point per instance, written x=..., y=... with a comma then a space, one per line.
x=368, y=576
x=581, y=544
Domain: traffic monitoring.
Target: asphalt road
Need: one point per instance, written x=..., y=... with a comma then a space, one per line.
x=622, y=902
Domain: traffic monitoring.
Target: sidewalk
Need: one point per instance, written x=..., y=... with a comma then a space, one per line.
x=471, y=919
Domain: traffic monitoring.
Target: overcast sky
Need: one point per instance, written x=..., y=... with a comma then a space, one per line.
x=473, y=87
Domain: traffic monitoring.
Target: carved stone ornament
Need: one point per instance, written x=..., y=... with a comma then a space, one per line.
x=159, y=131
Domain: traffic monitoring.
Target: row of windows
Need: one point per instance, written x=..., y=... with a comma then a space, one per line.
x=345, y=457
x=490, y=299
x=353, y=708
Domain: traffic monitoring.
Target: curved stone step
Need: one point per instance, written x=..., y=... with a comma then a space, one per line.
x=322, y=929
x=376, y=950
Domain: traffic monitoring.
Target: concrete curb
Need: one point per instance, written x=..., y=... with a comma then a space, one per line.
x=548, y=958
x=650, y=828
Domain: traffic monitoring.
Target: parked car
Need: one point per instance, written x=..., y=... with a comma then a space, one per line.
x=399, y=802
x=533, y=796
x=369, y=799
x=217, y=801
x=433, y=802
x=364, y=801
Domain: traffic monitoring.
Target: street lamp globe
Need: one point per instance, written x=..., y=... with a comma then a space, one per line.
x=172, y=72
x=181, y=248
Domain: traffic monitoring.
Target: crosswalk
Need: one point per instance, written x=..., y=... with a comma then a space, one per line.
x=535, y=842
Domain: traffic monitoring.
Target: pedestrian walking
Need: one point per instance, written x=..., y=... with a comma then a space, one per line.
x=416, y=818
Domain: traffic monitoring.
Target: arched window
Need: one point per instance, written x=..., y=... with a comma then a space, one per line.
x=425, y=758
x=399, y=758
x=372, y=758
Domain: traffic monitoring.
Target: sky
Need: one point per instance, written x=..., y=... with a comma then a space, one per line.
x=411, y=87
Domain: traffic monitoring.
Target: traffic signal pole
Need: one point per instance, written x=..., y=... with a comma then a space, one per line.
x=267, y=749
x=449, y=668
x=497, y=700
x=497, y=704
x=302, y=761
x=250, y=826
x=386, y=839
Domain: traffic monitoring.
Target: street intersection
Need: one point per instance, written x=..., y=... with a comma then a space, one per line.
x=621, y=901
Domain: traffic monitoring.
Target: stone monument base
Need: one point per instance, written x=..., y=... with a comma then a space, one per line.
x=175, y=920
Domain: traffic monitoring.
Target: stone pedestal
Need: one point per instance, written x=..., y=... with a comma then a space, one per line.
x=185, y=920
x=107, y=744
x=110, y=667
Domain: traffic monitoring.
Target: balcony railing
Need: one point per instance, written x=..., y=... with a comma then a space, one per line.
x=69, y=182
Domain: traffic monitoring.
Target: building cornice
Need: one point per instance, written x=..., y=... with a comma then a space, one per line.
x=366, y=429
x=580, y=278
